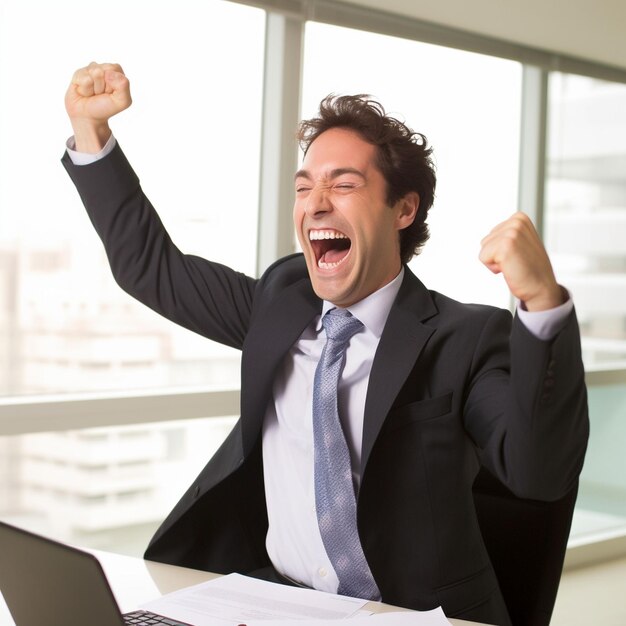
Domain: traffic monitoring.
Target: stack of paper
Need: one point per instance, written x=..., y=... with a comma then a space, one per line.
x=236, y=600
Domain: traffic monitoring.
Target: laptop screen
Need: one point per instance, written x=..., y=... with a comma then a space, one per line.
x=46, y=583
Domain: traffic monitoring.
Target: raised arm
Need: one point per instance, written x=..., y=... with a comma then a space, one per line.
x=206, y=297
x=534, y=436
x=97, y=93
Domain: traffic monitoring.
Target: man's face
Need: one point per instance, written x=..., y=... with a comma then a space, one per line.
x=348, y=233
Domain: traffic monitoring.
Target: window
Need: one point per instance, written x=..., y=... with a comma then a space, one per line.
x=468, y=106
x=107, y=488
x=193, y=134
x=601, y=506
x=65, y=326
x=585, y=234
x=586, y=208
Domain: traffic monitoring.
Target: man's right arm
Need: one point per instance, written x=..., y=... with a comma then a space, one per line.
x=205, y=297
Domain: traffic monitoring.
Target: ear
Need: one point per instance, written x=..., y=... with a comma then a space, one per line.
x=407, y=208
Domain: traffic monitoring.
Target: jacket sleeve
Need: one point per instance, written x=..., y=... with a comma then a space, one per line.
x=205, y=297
x=528, y=411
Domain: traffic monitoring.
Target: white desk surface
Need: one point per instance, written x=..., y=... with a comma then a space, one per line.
x=134, y=581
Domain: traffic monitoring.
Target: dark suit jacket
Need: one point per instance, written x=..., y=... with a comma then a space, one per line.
x=452, y=386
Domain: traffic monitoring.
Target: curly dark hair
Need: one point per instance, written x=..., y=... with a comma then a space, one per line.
x=403, y=156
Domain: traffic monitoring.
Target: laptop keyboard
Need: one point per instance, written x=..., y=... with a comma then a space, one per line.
x=145, y=618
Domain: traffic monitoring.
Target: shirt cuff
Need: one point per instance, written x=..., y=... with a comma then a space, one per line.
x=546, y=325
x=85, y=158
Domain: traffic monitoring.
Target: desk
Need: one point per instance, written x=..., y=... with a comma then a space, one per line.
x=135, y=581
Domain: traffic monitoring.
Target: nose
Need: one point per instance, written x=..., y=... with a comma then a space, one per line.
x=318, y=202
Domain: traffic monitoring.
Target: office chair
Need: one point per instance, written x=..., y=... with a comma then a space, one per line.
x=526, y=541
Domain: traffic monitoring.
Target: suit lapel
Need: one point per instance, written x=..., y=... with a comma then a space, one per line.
x=274, y=333
x=401, y=343
x=280, y=324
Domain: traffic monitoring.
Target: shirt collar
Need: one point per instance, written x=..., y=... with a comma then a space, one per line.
x=372, y=311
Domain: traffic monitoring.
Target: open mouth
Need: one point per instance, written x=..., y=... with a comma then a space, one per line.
x=331, y=247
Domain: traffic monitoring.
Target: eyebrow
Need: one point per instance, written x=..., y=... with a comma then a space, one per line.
x=339, y=171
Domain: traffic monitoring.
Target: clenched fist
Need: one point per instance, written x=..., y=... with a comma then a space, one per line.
x=97, y=93
x=514, y=249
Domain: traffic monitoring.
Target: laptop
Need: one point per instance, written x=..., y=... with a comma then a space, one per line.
x=47, y=583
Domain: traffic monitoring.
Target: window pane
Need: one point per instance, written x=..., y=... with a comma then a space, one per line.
x=585, y=234
x=193, y=129
x=586, y=208
x=468, y=106
x=106, y=488
x=601, y=505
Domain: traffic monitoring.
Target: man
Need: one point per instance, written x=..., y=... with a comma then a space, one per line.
x=429, y=388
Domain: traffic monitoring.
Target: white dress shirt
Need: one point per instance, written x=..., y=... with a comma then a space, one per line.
x=294, y=543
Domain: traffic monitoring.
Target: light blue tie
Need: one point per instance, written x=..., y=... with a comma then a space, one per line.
x=334, y=491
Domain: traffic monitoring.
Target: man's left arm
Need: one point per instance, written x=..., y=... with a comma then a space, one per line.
x=542, y=447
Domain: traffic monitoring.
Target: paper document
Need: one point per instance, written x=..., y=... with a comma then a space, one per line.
x=435, y=617
x=236, y=599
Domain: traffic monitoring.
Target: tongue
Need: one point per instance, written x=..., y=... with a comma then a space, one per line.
x=333, y=256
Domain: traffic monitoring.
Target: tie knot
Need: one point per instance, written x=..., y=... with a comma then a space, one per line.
x=340, y=325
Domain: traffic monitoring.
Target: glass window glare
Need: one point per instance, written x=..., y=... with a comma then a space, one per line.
x=585, y=218
x=586, y=208
x=193, y=135
x=65, y=326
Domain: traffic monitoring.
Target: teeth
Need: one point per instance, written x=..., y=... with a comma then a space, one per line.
x=325, y=234
x=329, y=266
